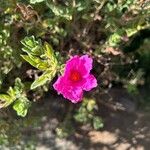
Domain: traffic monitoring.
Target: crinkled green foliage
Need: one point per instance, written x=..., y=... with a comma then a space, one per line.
x=85, y=114
x=21, y=106
x=40, y=57
x=17, y=97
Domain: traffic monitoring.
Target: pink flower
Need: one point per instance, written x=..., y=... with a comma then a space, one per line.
x=76, y=78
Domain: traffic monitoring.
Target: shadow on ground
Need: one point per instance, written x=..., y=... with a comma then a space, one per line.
x=127, y=129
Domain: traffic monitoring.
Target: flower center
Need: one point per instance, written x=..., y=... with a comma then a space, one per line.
x=75, y=76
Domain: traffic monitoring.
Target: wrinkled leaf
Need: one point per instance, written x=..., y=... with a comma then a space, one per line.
x=60, y=11
x=19, y=87
x=35, y=62
x=82, y=115
x=21, y=106
x=11, y=93
x=90, y=105
x=46, y=76
x=31, y=46
x=29, y=60
x=5, y=100
x=49, y=52
x=97, y=123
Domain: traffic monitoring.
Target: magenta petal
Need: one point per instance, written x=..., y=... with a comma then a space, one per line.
x=72, y=64
x=58, y=86
x=74, y=95
x=90, y=83
x=85, y=65
x=76, y=78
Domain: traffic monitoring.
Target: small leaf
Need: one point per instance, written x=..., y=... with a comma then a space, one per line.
x=90, y=105
x=47, y=76
x=11, y=93
x=19, y=87
x=58, y=10
x=39, y=62
x=5, y=100
x=29, y=42
x=97, y=123
x=48, y=50
x=29, y=60
x=36, y=1
x=82, y=115
x=35, y=62
x=31, y=46
x=21, y=106
x=36, y=51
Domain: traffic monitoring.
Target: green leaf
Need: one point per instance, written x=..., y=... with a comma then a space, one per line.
x=36, y=1
x=82, y=115
x=5, y=100
x=132, y=88
x=97, y=123
x=40, y=62
x=21, y=106
x=114, y=39
x=29, y=60
x=46, y=61
x=11, y=93
x=35, y=62
x=61, y=11
x=46, y=76
x=32, y=51
x=29, y=42
x=19, y=86
x=49, y=52
x=31, y=46
x=90, y=104
x=42, y=58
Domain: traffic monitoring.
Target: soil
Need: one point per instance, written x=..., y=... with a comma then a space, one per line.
x=125, y=126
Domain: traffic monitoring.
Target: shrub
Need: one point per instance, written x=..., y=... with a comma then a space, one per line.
x=37, y=37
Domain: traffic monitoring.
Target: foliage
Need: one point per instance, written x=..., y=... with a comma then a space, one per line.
x=85, y=114
x=16, y=96
x=42, y=58
x=36, y=1
x=115, y=33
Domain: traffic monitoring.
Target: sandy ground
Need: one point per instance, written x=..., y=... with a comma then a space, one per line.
x=125, y=129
